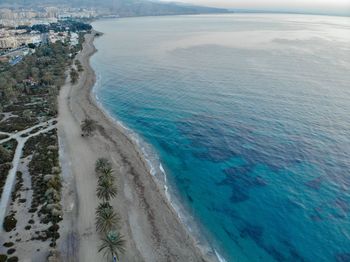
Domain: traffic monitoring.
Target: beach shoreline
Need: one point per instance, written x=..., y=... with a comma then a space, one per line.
x=151, y=226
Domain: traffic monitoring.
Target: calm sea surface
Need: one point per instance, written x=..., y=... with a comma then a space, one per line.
x=249, y=116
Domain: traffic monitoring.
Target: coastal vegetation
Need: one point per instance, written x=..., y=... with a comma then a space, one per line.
x=107, y=220
x=88, y=126
x=7, y=151
x=112, y=244
x=36, y=79
x=102, y=164
x=28, y=111
x=74, y=76
x=60, y=26
x=79, y=66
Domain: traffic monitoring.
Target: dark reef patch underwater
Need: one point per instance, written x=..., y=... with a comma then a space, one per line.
x=249, y=115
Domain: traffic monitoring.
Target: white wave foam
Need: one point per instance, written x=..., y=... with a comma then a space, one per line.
x=161, y=168
x=220, y=258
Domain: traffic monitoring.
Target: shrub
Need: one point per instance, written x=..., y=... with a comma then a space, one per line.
x=102, y=164
x=8, y=244
x=88, y=126
x=11, y=251
x=54, y=227
x=10, y=223
x=3, y=258
x=12, y=259
x=5, y=155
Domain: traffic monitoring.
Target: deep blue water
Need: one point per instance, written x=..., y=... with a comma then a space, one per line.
x=250, y=117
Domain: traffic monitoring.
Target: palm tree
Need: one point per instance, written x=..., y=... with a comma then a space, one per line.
x=106, y=180
x=106, y=219
x=106, y=188
x=102, y=164
x=88, y=126
x=106, y=174
x=101, y=207
x=113, y=244
x=74, y=76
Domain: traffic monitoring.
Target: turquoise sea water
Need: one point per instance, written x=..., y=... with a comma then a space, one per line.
x=249, y=116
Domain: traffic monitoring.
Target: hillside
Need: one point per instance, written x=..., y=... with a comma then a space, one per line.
x=121, y=7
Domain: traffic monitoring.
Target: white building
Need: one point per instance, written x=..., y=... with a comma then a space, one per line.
x=74, y=39
x=8, y=42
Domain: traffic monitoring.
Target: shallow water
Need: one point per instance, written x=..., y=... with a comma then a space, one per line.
x=250, y=117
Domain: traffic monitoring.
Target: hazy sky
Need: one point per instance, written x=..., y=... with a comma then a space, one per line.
x=331, y=6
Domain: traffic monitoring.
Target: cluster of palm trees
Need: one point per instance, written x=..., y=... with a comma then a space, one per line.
x=107, y=220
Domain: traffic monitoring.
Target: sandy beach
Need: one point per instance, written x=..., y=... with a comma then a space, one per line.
x=151, y=227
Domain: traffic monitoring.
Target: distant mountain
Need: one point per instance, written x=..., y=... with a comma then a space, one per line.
x=122, y=7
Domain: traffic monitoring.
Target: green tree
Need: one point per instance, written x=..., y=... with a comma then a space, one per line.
x=31, y=46
x=106, y=174
x=113, y=244
x=47, y=78
x=7, y=87
x=102, y=164
x=106, y=218
x=79, y=66
x=88, y=126
x=5, y=155
x=106, y=189
x=74, y=76
x=52, y=105
x=27, y=114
